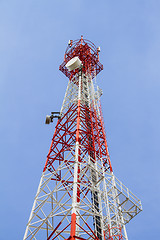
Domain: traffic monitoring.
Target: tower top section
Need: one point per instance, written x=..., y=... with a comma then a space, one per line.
x=88, y=54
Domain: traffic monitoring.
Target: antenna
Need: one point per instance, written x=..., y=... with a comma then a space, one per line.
x=79, y=197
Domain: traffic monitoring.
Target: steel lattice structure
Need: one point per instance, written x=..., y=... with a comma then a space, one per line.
x=78, y=195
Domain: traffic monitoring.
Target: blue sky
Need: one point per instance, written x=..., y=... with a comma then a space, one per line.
x=33, y=38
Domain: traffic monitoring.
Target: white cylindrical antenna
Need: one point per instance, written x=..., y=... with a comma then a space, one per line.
x=74, y=63
x=98, y=49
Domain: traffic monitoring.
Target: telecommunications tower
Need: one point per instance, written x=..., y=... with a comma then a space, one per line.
x=78, y=195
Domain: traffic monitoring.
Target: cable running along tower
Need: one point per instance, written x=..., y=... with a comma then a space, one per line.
x=78, y=195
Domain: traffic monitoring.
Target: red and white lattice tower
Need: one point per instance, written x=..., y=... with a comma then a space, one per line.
x=78, y=195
